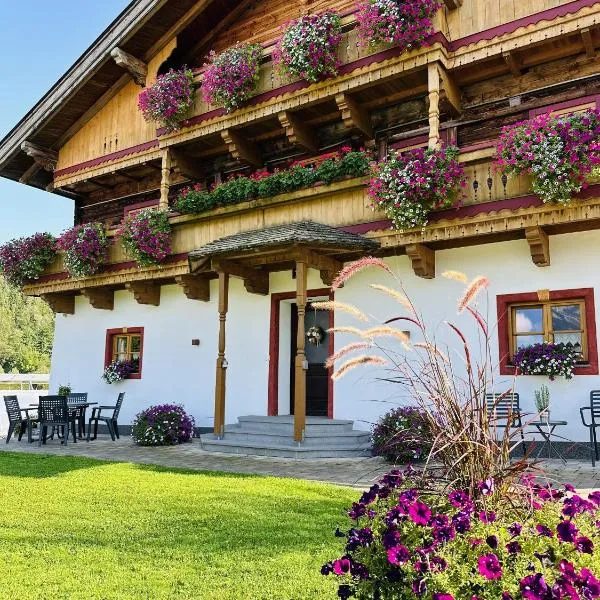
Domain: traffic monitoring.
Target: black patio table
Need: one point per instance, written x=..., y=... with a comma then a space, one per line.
x=546, y=430
x=75, y=406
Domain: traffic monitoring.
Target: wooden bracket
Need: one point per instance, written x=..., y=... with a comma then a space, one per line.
x=513, y=63
x=61, y=303
x=255, y=281
x=137, y=68
x=102, y=298
x=195, y=288
x=43, y=157
x=539, y=245
x=453, y=4
x=452, y=94
x=422, y=259
x=354, y=115
x=588, y=42
x=242, y=148
x=188, y=166
x=329, y=267
x=298, y=132
x=145, y=292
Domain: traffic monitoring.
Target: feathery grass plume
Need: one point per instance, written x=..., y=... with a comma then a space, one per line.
x=383, y=331
x=346, y=329
x=356, y=362
x=480, y=320
x=434, y=349
x=478, y=284
x=342, y=307
x=346, y=350
x=350, y=270
x=456, y=276
x=396, y=295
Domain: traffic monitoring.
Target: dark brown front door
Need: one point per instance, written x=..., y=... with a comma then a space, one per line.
x=317, y=383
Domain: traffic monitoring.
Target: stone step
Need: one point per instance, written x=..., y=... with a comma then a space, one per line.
x=238, y=433
x=284, y=425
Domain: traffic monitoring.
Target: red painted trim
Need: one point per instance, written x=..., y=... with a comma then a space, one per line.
x=420, y=140
x=479, y=146
x=586, y=294
x=273, y=384
x=139, y=205
x=567, y=104
x=110, y=333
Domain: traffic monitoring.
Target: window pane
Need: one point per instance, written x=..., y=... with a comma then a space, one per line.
x=529, y=319
x=567, y=338
x=528, y=340
x=121, y=357
x=567, y=317
x=121, y=344
x=135, y=343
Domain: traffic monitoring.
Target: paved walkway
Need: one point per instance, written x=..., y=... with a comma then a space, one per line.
x=360, y=472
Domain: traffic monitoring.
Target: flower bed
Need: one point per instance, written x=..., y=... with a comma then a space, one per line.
x=308, y=47
x=558, y=152
x=232, y=76
x=24, y=259
x=553, y=360
x=264, y=184
x=162, y=425
x=146, y=236
x=406, y=23
x=169, y=99
x=85, y=248
x=410, y=185
x=119, y=370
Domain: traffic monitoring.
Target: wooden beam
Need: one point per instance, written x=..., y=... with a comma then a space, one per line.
x=434, y=86
x=354, y=115
x=137, y=68
x=297, y=132
x=451, y=92
x=242, y=148
x=453, y=4
x=588, y=42
x=255, y=281
x=422, y=259
x=30, y=173
x=188, y=166
x=221, y=374
x=328, y=267
x=101, y=298
x=165, y=181
x=539, y=246
x=300, y=364
x=195, y=288
x=145, y=292
x=44, y=157
x=513, y=63
x=61, y=303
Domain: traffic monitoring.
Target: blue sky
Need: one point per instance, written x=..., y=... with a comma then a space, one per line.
x=39, y=41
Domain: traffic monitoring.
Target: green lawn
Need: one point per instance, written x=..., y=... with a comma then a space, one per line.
x=78, y=528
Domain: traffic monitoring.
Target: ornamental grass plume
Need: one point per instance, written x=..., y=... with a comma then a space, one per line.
x=358, y=361
x=330, y=362
x=477, y=285
x=342, y=307
x=355, y=267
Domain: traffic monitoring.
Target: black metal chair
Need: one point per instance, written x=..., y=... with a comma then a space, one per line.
x=16, y=418
x=78, y=400
x=54, y=412
x=594, y=422
x=506, y=407
x=111, y=421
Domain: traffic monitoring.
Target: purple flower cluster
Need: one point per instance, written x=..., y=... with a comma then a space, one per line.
x=231, y=77
x=120, y=369
x=406, y=23
x=146, y=236
x=85, y=247
x=553, y=360
x=169, y=99
x=308, y=47
x=24, y=259
x=163, y=425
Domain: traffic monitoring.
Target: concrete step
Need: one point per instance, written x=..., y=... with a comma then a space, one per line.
x=284, y=425
x=238, y=433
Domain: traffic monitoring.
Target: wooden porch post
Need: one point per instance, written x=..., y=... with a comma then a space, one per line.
x=165, y=182
x=433, y=76
x=221, y=361
x=300, y=364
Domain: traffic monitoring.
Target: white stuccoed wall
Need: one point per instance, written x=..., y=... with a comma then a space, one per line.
x=176, y=371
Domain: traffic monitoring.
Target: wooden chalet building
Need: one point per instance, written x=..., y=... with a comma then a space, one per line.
x=240, y=280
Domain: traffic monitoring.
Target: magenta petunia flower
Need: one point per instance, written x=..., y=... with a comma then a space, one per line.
x=398, y=555
x=566, y=531
x=342, y=566
x=419, y=513
x=488, y=565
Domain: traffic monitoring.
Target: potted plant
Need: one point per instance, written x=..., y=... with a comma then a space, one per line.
x=85, y=247
x=64, y=390
x=553, y=360
x=542, y=403
x=24, y=259
x=162, y=425
x=118, y=370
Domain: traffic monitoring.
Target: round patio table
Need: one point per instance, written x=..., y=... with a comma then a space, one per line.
x=546, y=430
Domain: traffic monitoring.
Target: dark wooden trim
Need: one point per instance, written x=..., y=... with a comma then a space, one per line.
x=139, y=205
x=563, y=105
x=110, y=333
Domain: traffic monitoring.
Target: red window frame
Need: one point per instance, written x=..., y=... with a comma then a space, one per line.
x=504, y=302
x=110, y=334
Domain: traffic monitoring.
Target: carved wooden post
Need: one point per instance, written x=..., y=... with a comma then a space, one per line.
x=165, y=182
x=221, y=361
x=434, y=105
x=300, y=364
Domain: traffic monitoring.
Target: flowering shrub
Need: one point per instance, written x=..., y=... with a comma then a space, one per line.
x=405, y=543
x=406, y=23
x=402, y=435
x=232, y=76
x=308, y=47
x=26, y=258
x=119, y=370
x=146, y=236
x=558, y=152
x=85, y=248
x=162, y=425
x=410, y=185
x=554, y=360
x=264, y=184
x=169, y=99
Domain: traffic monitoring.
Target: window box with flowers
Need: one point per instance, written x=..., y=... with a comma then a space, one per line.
x=85, y=247
x=25, y=259
x=124, y=352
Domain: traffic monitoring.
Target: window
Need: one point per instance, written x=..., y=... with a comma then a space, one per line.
x=564, y=316
x=123, y=344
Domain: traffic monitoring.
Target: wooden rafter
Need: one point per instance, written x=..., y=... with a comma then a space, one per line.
x=43, y=157
x=145, y=292
x=242, y=148
x=30, y=173
x=298, y=132
x=539, y=246
x=195, y=288
x=255, y=281
x=354, y=115
x=422, y=259
x=188, y=166
x=588, y=42
x=513, y=62
x=137, y=68
x=101, y=298
x=61, y=303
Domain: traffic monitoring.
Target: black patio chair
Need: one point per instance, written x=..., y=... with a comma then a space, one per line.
x=110, y=420
x=54, y=412
x=79, y=399
x=594, y=422
x=506, y=407
x=17, y=418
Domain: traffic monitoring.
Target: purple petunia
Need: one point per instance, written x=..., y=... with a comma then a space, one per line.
x=488, y=565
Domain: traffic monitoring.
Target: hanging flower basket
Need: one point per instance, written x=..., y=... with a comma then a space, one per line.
x=558, y=152
x=553, y=360
x=170, y=99
x=232, y=76
x=410, y=185
x=308, y=47
x=405, y=23
x=24, y=259
x=119, y=370
x=146, y=236
x=85, y=248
